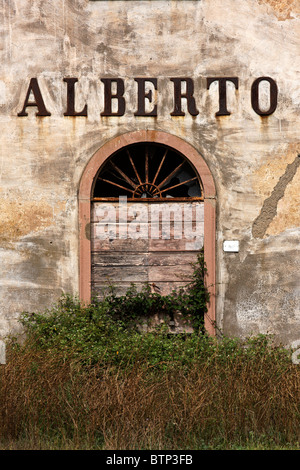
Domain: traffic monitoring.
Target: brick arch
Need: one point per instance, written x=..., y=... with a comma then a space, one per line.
x=85, y=191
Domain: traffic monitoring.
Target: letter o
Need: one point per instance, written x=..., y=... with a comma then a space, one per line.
x=255, y=96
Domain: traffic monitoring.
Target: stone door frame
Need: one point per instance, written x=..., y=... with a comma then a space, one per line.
x=84, y=201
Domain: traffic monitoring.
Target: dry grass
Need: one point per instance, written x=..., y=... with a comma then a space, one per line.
x=51, y=402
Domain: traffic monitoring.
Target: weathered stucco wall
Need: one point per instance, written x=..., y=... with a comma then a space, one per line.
x=253, y=159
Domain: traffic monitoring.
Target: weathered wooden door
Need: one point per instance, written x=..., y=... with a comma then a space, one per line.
x=146, y=247
x=147, y=220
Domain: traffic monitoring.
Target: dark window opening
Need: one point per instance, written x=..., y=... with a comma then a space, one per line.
x=147, y=171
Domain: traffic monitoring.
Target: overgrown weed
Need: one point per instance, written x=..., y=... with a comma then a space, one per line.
x=86, y=378
x=167, y=392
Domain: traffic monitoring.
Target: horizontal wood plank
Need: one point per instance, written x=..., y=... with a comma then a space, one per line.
x=163, y=288
x=145, y=212
x=120, y=245
x=189, y=230
x=114, y=274
x=175, y=245
x=121, y=258
x=147, y=245
x=179, y=273
x=142, y=259
x=171, y=258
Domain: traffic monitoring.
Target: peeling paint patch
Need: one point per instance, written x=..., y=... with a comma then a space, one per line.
x=269, y=208
x=88, y=231
x=283, y=9
x=19, y=218
x=288, y=209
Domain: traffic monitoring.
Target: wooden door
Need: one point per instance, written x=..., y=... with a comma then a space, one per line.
x=147, y=222
x=145, y=242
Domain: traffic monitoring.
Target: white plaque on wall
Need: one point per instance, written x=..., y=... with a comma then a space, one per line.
x=231, y=246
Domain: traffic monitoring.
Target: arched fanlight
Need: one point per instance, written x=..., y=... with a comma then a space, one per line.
x=147, y=171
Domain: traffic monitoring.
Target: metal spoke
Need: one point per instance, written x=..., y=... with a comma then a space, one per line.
x=160, y=165
x=123, y=174
x=146, y=169
x=171, y=175
x=146, y=166
x=133, y=166
x=179, y=184
x=118, y=177
x=115, y=184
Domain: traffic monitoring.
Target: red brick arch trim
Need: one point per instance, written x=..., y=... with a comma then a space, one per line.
x=85, y=191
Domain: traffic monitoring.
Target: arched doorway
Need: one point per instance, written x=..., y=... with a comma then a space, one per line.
x=143, y=170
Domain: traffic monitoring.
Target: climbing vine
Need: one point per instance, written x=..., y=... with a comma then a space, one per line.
x=191, y=301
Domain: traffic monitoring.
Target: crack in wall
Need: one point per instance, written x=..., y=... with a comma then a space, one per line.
x=269, y=208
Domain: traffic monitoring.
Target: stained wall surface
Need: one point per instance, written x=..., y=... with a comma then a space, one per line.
x=253, y=158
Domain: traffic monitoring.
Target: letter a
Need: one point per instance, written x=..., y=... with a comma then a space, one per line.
x=39, y=102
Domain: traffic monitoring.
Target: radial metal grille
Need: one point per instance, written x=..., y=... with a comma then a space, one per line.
x=147, y=171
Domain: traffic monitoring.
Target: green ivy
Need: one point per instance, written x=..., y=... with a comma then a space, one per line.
x=106, y=329
x=191, y=301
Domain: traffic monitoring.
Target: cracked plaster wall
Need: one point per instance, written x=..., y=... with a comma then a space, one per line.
x=268, y=213
x=253, y=159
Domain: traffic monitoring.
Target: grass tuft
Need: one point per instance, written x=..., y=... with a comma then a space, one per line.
x=83, y=380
